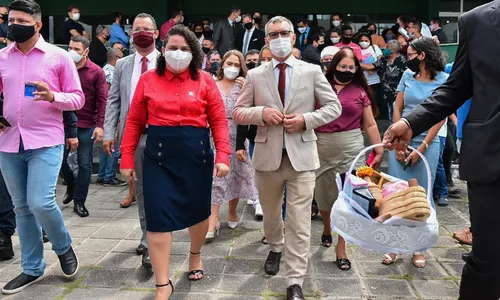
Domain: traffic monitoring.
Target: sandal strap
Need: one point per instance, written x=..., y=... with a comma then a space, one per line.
x=193, y=253
x=164, y=285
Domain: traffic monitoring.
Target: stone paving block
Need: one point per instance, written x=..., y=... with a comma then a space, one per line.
x=133, y=295
x=250, y=236
x=378, y=269
x=454, y=269
x=38, y=292
x=245, y=266
x=104, y=213
x=340, y=287
x=388, y=287
x=193, y=296
x=108, y=278
x=81, y=231
x=209, y=284
x=97, y=245
x=446, y=216
x=89, y=258
x=446, y=242
x=432, y=270
x=215, y=250
x=454, y=228
x=214, y=265
x=242, y=284
x=111, y=233
x=135, y=234
x=251, y=250
x=126, y=246
x=128, y=213
x=120, y=260
x=10, y=272
x=441, y=289
x=122, y=223
x=448, y=254
x=330, y=269
x=251, y=225
x=88, y=221
x=238, y=297
x=181, y=236
x=92, y=293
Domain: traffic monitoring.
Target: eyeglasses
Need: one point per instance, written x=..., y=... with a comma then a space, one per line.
x=411, y=54
x=344, y=68
x=142, y=29
x=275, y=35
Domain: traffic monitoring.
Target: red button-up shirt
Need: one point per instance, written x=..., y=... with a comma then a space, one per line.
x=165, y=28
x=176, y=100
x=95, y=88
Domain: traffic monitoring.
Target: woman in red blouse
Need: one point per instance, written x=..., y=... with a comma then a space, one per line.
x=176, y=102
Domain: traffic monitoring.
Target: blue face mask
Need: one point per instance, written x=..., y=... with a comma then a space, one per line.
x=411, y=35
x=214, y=66
x=386, y=52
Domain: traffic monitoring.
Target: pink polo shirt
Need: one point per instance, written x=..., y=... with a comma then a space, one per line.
x=355, y=47
x=39, y=123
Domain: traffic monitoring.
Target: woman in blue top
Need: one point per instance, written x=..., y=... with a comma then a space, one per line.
x=426, y=64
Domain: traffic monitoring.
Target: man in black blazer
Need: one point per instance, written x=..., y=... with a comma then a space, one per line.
x=436, y=30
x=226, y=32
x=251, y=38
x=475, y=75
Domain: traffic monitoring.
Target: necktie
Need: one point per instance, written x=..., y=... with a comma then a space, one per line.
x=282, y=82
x=245, y=44
x=144, y=66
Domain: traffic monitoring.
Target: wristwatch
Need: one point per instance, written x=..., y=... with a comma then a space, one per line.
x=406, y=122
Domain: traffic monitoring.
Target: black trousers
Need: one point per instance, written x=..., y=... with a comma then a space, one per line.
x=7, y=215
x=481, y=274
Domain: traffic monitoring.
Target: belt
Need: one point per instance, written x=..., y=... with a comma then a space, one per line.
x=145, y=131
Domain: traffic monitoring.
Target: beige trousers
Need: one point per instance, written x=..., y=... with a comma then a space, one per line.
x=296, y=240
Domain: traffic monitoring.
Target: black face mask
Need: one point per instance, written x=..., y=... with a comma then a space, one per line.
x=257, y=19
x=5, y=17
x=346, y=40
x=371, y=32
x=321, y=47
x=20, y=33
x=205, y=50
x=414, y=65
x=326, y=65
x=251, y=65
x=344, y=77
x=198, y=34
x=248, y=26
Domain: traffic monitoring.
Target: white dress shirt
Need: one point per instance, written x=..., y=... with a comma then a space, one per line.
x=290, y=62
x=248, y=35
x=136, y=74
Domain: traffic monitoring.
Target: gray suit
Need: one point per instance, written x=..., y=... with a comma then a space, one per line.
x=116, y=114
x=225, y=37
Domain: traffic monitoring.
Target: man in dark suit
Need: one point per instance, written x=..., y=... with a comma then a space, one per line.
x=251, y=38
x=475, y=74
x=226, y=31
x=436, y=30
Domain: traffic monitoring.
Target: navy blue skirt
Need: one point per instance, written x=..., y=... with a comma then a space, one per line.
x=178, y=169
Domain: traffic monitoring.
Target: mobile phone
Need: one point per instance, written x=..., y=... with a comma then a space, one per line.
x=29, y=90
x=4, y=122
x=407, y=164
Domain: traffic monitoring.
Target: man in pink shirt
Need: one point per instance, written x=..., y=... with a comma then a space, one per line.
x=346, y=41
x=31, y=149
x=177, y=18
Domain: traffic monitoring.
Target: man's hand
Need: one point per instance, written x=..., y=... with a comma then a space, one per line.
x=72, y=144
x=98, y=135
x=129, y=173
x=241, y=155
x=43, y=92
x=294, y=123
x=220, y=170
x=109, y=147
x=272, y=116
x=397, y=136
x=240, y=81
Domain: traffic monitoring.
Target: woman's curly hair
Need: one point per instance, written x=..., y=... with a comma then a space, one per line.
x=435, y=59
x=194, y=45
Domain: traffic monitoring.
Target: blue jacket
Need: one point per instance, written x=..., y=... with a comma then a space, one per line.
x=463, y=111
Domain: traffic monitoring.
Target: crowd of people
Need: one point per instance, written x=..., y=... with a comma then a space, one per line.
x=201, y=117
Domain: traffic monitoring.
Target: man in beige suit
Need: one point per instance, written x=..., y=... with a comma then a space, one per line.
x=281, y=99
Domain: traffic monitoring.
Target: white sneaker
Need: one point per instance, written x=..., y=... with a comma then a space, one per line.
x=250, y=202
x=259, y=214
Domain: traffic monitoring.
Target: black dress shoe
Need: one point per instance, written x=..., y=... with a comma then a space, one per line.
x=272, y=265
x=6, y=250
x=146, y=259
x=70, y=194
x=140, y=249
x=81, y=210
x=465, y=256
x=45, y=237
x=69, y=263
x=294, y=292
x=19, y=283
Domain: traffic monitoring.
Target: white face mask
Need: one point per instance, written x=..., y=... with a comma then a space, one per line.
x=364, y=45
x=75, y=56
x=265, y=63
x=336, y=23
x=281, y=47
x=302, y=29
x=238, y=19
x=335, y=40
x=178, y=60
x=182, y=19
x=76, y=17
x=403, y=32
x=231, y=73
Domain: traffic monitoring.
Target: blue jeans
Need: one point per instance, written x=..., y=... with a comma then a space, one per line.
x=31, y=177
x=85, y=157
x=108, y=164
x=7, y=215
x=390, y=110
x=441, y=184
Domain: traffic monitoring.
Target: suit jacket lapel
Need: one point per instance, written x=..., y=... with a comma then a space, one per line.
x=295, y=82
x=271, y=82
x=495, y=17
x=128, y=70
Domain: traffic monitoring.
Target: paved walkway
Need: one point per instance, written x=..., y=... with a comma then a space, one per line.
x=110, y=269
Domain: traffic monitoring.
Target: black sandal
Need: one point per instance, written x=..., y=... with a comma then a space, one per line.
x=344, y=264
x=326, y=240
x=164, y=285
x=195, y=272
x=314, y=210
x=264, y=241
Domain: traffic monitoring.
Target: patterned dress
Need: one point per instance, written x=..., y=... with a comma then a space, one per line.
x=240, y=182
